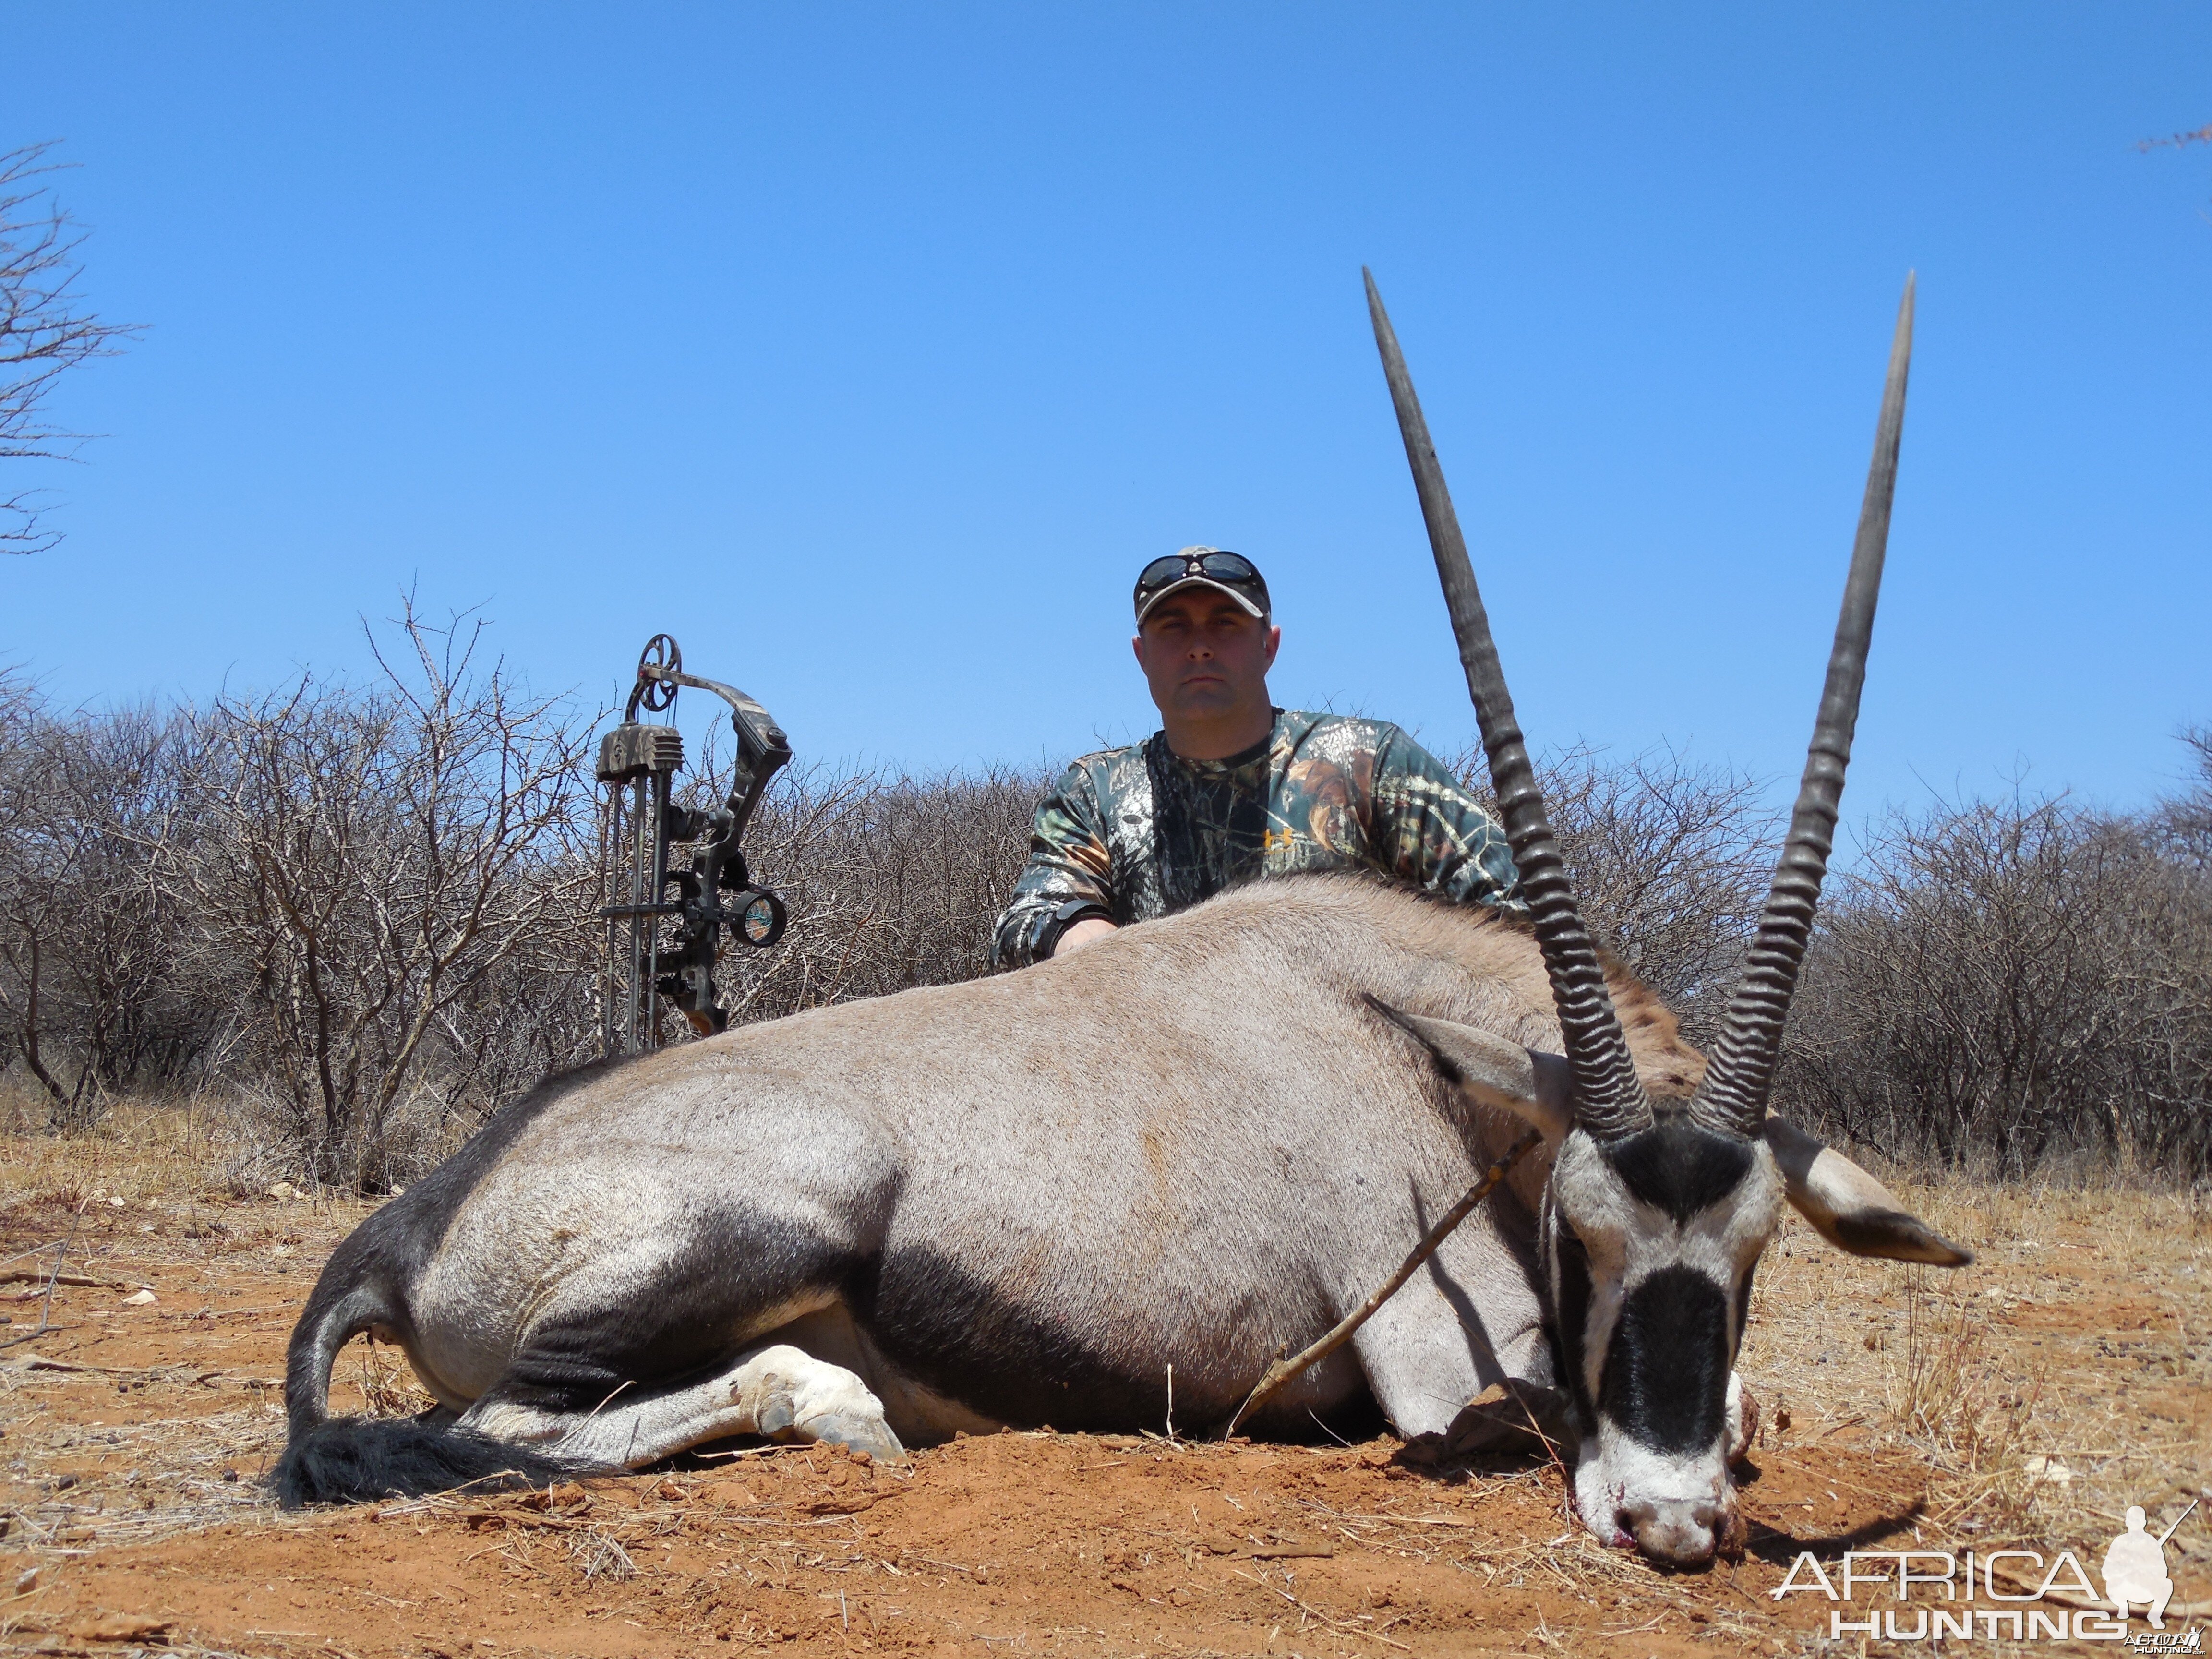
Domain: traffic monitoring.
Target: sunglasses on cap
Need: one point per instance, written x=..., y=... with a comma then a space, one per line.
x=1233, y=572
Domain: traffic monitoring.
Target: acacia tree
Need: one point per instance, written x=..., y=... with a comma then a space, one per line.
x=46, y=329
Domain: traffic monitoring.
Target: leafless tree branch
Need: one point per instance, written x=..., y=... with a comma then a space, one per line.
x=45, y=328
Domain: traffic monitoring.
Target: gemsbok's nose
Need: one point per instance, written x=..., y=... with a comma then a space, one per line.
x=1683, y=1533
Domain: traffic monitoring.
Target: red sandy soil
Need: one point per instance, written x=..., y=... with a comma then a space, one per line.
x=135, y=1437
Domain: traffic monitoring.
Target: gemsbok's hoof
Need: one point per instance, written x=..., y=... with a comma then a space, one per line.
x=1508, y=1418
x=791, y=1395
x=857, y=1434
x=775, y=1415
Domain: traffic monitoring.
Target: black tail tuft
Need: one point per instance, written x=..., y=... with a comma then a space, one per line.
x=352, y=1459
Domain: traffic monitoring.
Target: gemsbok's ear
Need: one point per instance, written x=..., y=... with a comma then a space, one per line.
x=1849, y=1207
x=1530, y=1084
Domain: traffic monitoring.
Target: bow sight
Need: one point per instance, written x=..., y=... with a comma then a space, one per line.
x=640, y=824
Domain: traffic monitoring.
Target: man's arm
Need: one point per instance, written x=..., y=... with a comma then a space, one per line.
x=1428, y=829
x=1065, y=894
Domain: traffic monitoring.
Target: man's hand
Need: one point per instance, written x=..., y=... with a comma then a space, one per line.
x=1089, y=931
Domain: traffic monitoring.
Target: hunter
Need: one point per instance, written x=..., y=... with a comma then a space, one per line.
x=1232, y=788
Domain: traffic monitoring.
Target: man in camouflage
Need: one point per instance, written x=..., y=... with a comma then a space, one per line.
x=1231, y=787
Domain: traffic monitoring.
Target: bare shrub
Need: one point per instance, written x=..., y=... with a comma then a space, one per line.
x=88, y=984
x=2005, y=982
x=1670, y=860
x=893, y=881
x=2182, y=825
x=367, y=874
x=364, y=917
x=46, y=329
x=256, y=1138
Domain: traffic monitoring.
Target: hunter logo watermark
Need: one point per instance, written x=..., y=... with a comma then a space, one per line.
x=2134, y=1572
x=2134, y=1568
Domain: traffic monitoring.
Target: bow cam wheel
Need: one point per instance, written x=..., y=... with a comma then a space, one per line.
x=661, y=656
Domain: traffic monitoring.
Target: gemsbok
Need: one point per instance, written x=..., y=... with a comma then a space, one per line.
x=1197, y=1144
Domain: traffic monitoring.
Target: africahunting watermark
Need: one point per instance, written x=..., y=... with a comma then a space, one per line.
x=2134, y=1577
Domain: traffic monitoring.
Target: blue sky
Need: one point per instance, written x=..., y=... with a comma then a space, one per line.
x=870, y=350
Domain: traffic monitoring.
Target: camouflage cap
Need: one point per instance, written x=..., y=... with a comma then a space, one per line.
x=1202, y=566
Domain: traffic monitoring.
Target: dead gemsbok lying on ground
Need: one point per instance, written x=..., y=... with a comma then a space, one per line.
x=1195, y=1144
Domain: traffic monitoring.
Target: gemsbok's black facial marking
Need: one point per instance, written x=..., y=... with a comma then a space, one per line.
x=1665, y=1380
x=1677, y=1167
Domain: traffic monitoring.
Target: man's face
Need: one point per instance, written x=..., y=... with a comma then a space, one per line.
x=1205, y=656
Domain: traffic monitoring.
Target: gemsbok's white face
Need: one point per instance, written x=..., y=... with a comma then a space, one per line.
x=1656, y=1214
x=1648, y=1241
x=1648, y=1248
x=1649, y=1244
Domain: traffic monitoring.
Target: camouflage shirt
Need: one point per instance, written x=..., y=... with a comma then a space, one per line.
x=1142, y=832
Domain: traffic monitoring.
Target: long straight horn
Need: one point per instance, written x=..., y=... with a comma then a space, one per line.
x=1608, y=1096
x=1733, y=1096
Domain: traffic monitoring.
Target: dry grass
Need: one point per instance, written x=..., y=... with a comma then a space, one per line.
x=2048, y=1387
x=388, y=1386
x=211, y=1149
